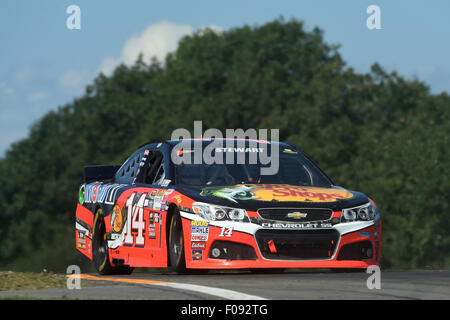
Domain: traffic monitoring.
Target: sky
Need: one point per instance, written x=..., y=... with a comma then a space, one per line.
x=45, y=64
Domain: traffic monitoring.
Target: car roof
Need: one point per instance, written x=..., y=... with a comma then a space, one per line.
x=225, y=141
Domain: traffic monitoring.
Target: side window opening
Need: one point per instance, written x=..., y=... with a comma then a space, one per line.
x=152, y=172
x=160, y=175
x=144, y=166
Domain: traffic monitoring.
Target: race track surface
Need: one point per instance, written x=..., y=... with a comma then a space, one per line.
x=247, y=286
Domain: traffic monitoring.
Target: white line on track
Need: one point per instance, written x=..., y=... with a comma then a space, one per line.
x=218, y=292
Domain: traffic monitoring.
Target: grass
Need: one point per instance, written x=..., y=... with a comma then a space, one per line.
x=10, y=280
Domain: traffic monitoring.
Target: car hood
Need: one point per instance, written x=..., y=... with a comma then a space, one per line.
x=255, y=196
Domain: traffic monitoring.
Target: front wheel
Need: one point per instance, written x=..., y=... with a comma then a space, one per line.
x=176, y=244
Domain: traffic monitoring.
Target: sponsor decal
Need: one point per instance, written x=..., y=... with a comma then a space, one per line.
x=199, y=230
x=239, y=149
x=178, y=199
x=81, y=243
x=116, y=219
x=280, y=225
x=157, y=202
x=297, y=215
x=148, y=203
x=81, y=196
x=151, y=226
x=239, y=192
x=166, y=182
x=197, y=255
x=290, y=151
x=114, y=236
x=94, y=193
x=365, y=234
x=99, y=193
x=198, y=245
x=277, y=192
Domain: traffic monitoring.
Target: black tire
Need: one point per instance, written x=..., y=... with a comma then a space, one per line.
x=175, y=247
x=100, y=254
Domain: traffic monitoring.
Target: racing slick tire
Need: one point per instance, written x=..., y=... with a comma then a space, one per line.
x=100, y=255
x=175, y=248
x=176, y=252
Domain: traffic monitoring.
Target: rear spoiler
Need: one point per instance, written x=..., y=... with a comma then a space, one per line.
x=100, y=173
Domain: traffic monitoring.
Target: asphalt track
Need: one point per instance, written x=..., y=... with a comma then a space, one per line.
x=247, y=286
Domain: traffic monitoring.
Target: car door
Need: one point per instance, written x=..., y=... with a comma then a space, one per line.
x=142, y=208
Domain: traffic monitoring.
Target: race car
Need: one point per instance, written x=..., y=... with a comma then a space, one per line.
x=166, y=207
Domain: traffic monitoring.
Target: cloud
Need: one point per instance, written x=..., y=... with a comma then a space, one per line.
x=73, y=79
x=5, y=89
x=37, y=97
x=156, y=41
x=108, y=65
x=23, y=75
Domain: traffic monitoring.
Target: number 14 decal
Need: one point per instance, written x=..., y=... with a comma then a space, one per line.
x=226, y=232
x=135, y=220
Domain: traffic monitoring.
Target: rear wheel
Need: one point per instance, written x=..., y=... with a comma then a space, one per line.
x=100, y=254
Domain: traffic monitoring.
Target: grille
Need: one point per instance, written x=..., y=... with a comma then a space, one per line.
x=297, y=244
x=281, y=214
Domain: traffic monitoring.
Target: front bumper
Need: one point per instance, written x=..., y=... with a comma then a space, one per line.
x=234, y=245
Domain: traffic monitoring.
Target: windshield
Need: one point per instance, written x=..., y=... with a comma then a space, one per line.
x=293, y=169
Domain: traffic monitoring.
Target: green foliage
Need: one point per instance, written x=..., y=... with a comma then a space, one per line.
x=377, y=133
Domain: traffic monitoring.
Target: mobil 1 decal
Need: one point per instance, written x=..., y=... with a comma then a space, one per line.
x=99, y=193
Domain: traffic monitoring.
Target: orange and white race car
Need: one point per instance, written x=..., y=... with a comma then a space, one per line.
x=157, y=211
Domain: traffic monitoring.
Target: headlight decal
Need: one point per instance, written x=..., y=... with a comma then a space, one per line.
x=213, y=212
x=366, y=212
